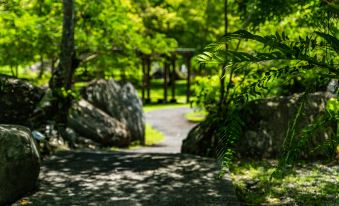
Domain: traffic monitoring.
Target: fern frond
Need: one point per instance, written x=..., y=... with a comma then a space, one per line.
x=331, y=40
x=279, y=46
x=227, y=138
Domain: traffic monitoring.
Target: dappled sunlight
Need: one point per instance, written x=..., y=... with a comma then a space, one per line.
x=131, y=179
x=311, y=183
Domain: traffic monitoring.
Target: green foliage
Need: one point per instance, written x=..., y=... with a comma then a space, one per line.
x=333, y=108
x=228, y=134
x=206, y=90
x=28, y=29
x=107, y=33
x=279, y=47
x=260, y=61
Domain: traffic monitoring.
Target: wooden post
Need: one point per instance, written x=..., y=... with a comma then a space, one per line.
x=188, y=65
x=166, y=65
x=173, y=100
x=143, y=80
x=148, y=79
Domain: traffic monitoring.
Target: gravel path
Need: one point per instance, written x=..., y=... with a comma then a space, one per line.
x=151, y=176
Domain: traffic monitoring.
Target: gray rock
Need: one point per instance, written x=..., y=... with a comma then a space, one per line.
x=265, y=125
x=93, y=123
x=333, y=86
x=19, y=163
x=267, y=120
x=18, y=100
x=199, y=141
x=71, y=135
x=120, y=102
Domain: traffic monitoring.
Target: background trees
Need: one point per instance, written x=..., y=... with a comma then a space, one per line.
x=106, y=32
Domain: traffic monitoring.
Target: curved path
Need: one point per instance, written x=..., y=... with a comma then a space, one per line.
x=141, y=178
x=172, y=123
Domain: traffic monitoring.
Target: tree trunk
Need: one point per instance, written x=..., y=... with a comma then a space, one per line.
x=61, y=80
x=42, y=67
x=62, y=76
x=223, y=67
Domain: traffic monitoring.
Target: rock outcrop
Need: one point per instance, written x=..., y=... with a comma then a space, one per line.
x=91, y=122
x=266, y=122
x=120, y=102
x=19, y=163
x=200, y=141
x=18, y=100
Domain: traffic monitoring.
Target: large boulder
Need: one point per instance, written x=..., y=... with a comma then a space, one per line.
x=19, y=163
x=18, y=100
x=200, y=141
x=266, y=122
x=91, y=122
x=120, y=102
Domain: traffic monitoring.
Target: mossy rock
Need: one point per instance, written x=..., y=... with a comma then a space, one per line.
x=19, y=163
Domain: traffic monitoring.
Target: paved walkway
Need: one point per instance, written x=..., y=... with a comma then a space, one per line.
x=152, y=176
x=172, y=123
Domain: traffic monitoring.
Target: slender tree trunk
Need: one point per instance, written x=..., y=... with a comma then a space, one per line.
x=143, y=84
x=166, y=69
x=61, y=80
x=12, y=70
x=42, y=67
x=17, y=71
x=62, y=76
x=223, y=69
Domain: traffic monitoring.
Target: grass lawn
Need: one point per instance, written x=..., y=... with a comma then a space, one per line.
x=157, y=91
x=196, y=116
x=152, y=137
x=151, y=107
x=307, y=184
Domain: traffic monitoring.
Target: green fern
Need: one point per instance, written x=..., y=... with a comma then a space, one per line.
x=228, y=136
x=279, y=47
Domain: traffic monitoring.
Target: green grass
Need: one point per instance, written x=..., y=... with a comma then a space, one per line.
x=307, y=184
x=196, y=116
x=152, y=137
x=157, y=91
x=152, y=107
x=29, y=75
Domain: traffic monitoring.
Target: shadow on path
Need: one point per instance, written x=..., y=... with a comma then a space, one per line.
x=150, y=176
x=79, y=178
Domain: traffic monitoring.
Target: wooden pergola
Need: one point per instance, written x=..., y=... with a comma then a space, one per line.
x=169, y=70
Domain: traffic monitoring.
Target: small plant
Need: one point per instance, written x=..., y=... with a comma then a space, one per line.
x=307, y=184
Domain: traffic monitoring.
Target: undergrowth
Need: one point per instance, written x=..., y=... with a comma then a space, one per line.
x=306, y=184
